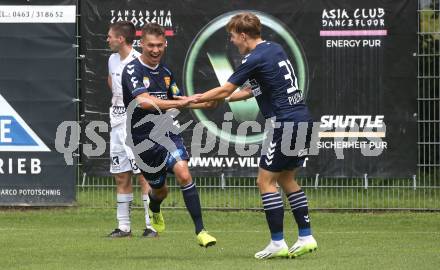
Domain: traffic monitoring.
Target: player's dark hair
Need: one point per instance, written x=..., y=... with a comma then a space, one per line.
x=125, y=29
x=153, y=29
x=245, y=22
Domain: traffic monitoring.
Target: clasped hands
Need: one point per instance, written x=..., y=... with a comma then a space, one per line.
x=188, y=101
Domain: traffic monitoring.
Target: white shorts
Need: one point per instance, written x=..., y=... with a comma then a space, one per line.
x=121, y=155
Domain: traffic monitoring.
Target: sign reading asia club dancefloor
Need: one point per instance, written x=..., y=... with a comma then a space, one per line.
x=354, y=62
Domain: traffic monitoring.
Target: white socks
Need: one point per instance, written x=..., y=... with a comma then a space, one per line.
x=146, y=201
x=124, y=208
x=123, y=211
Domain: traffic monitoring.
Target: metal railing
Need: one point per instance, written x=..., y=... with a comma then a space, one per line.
x=242, y=193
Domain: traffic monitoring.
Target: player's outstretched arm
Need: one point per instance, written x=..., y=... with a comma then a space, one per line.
x=148, y=102
x=218, y=93
x=203, y=105
x=242, y=94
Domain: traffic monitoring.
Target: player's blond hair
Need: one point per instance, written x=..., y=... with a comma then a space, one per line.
x=245, y=22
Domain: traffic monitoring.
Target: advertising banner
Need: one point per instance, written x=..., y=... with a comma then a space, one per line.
x=353, y=60
x=37, y=92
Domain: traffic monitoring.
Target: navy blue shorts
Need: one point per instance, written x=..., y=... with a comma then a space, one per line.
x=157, y=156
x=179, y=154
x=274, y=160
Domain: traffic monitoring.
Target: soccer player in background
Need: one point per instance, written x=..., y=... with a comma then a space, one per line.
x=274, y=85
x=151, y=85
x=120, y=38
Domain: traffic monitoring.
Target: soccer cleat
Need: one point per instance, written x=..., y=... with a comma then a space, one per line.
x=273, y=251
x=158, y=222
x=150, y=233
x=303, y=246
x=117, y=233
x=205, y=239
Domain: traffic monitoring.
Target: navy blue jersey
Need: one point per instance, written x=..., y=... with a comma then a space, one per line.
x=274, y=83
x=138, y=78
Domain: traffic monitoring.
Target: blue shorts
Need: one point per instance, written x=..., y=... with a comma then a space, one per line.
x=157, y=156
x=274, y=160
x=179, y=154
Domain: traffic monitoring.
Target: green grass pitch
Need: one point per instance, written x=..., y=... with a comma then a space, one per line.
x=75, y=239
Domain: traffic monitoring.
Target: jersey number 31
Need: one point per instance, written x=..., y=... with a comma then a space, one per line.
x=289, y=76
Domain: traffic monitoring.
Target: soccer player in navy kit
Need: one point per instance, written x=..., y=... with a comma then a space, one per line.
x=274, y=85
x=152, y=87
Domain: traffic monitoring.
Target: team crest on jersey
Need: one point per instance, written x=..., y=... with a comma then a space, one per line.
x=167, y=81
x=146, y=82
